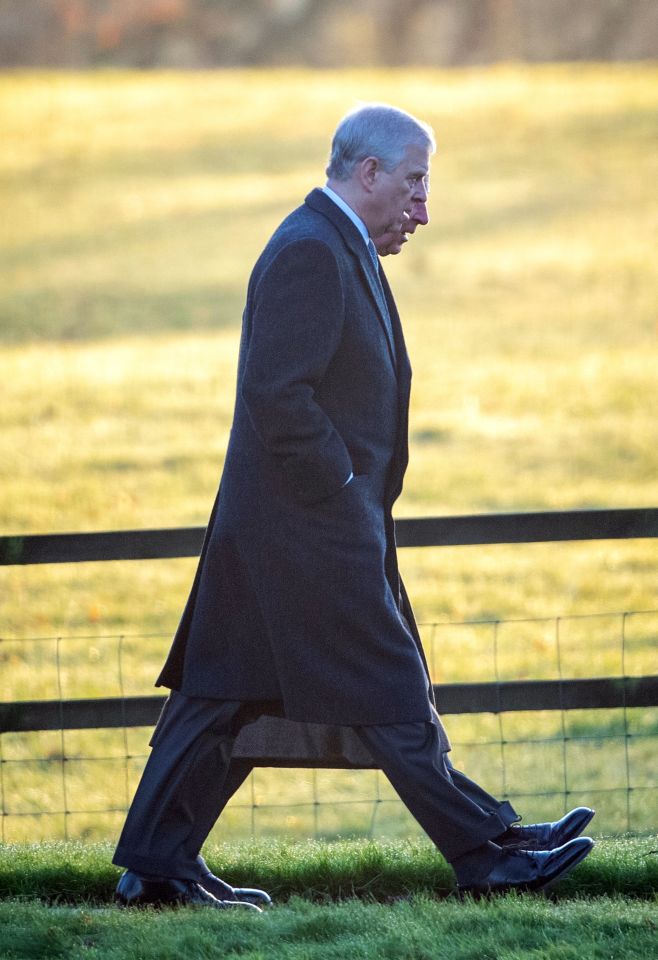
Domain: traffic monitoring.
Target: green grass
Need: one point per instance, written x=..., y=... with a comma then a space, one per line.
x=322, y=871
x=134, y=206
x=418, y=929
x=347, y=899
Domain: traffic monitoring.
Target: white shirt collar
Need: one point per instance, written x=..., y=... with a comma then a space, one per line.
x=347, y=210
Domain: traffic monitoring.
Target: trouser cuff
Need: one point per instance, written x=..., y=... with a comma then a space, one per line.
x=457, y=846
x=475, y=865
x=507, y=813
x=151, y=866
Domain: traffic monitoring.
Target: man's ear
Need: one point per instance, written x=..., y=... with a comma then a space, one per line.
x=368, y=171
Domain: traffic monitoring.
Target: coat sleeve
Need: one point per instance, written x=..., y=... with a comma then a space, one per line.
x=297, y=323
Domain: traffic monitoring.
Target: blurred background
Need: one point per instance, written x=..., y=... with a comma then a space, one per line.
x=148, y=148
x=321, y=33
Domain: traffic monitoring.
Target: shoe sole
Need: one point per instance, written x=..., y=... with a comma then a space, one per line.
x=243, y=905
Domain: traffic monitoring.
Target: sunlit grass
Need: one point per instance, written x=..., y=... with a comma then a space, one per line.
x=319, y=871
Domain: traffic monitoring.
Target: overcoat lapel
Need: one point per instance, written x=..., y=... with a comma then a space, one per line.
x=401, y=458
x=323, y=204
x=372, y=279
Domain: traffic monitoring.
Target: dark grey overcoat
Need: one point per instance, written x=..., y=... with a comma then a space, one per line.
x=297, y=597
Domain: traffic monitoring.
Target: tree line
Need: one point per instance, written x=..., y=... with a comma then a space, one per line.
x=321, y=33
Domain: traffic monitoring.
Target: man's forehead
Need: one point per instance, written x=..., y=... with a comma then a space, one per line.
x=417, y=158
x=418, y=155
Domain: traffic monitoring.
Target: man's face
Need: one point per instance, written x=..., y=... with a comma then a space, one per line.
x=392, y=241
x=396, y=192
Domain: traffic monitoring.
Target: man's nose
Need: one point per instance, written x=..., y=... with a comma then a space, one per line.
x=419, y=213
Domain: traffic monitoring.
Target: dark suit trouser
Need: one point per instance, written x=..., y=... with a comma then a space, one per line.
x=190, y=777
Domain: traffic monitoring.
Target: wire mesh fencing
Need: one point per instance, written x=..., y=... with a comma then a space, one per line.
x=72, y=783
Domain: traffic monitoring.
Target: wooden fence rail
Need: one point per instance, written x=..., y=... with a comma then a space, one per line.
x=456, y=698
x=274, y=742
x=541, y=527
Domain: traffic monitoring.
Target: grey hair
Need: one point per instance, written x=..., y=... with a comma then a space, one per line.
x=376, y=130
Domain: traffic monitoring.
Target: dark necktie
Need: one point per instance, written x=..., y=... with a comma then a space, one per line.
x=372, y=250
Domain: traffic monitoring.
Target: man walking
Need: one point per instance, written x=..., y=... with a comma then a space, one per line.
x=297, y=608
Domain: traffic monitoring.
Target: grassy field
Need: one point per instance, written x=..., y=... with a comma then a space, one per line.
x=357, y=899
x=415, y=929
x=133, y=208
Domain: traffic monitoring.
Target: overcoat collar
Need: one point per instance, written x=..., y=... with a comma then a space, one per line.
x=323, y=204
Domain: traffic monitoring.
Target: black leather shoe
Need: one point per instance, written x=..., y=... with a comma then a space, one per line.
x=546, y=836
x=529, y=869
x=136, y=890
x=223, y=891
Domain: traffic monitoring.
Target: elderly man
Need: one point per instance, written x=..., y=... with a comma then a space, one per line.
x=297, y=608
